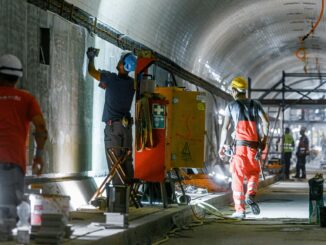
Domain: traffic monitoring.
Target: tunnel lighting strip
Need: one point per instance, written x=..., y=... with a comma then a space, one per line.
x=92, y=24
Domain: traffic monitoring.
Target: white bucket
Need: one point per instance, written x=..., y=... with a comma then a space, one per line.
x=50, y=204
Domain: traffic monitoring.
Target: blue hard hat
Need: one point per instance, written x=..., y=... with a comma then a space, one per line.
x=129, y=62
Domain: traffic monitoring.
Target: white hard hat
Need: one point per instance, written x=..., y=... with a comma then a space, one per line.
x=11, y=65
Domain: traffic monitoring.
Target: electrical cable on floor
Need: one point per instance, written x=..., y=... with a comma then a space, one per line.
x=210, y=209
x=165, y=239
x=85, y=234
x=199, y=220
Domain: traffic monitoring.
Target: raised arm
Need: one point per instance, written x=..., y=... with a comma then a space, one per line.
x=91, y=53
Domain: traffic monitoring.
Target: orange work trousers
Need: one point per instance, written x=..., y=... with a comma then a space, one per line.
x=244, y=165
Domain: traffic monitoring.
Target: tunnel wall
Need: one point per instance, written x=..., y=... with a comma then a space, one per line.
x=71, y=102
x=62, y=88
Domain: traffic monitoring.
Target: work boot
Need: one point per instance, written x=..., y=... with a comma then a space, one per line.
x=253, y=205
x=238, y=215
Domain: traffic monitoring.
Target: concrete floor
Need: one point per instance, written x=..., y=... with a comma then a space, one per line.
x=283, y=220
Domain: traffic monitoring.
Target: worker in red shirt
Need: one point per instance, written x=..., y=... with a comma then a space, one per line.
x=245, y=115
x=17, y=109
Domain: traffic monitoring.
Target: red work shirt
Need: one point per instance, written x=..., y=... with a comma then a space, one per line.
x=17, y=108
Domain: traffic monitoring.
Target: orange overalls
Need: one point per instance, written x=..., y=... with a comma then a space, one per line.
x=243, y=164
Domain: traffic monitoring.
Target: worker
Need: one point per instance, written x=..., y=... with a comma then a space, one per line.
x=17, y=109
x=288, y=147
x=302, y=152
x=119, y=93
x=246, y=115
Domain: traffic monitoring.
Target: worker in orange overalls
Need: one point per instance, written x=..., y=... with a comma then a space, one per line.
x=245, y=114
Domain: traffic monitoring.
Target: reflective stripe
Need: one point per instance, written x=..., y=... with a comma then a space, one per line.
x=252, y=188
x=239, y=202
x=288, y=147
x=238, y=193
x=251, y=184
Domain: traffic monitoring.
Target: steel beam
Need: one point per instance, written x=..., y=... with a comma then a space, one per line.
x=294, y=90
x=317, y=75
x=290, y=102
x=304, y=121
x=268, y=91
x=290, y=90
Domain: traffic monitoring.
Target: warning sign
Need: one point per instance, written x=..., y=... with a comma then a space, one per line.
x=186, y=155
x=158, y=112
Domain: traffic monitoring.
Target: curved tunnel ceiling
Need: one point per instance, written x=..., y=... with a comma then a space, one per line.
x=220, y=39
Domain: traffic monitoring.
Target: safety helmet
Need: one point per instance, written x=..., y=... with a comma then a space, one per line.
x=239, y=83
x=129, y=61
x=11, y=65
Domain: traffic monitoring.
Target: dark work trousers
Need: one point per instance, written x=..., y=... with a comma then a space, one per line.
x=287, y=164
x=119, y=139
x=11, y=189
x=301, y=165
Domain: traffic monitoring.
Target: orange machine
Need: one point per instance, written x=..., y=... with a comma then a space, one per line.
x=178, y=134
x=149, y=160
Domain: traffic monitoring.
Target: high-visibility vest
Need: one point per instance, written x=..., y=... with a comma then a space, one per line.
x=288, y=143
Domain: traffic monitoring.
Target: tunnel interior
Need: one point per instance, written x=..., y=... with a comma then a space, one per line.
x=279, y=45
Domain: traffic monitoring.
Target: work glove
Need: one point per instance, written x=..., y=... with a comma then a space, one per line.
x=221, y=152
x=91, y=53
x=258, y=155
x=263, y=143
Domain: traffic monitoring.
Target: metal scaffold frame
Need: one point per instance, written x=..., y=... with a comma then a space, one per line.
x=281, y=87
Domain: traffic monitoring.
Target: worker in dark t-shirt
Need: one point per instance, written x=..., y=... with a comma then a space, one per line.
x=301, y=153
x=119, y=93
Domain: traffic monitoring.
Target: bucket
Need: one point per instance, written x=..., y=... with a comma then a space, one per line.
x=50, y=204
x=322, y=214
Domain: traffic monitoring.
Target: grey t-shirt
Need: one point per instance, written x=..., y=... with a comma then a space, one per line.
x=233, y=109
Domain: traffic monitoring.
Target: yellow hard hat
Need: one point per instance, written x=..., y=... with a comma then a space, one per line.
x=239, y=83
